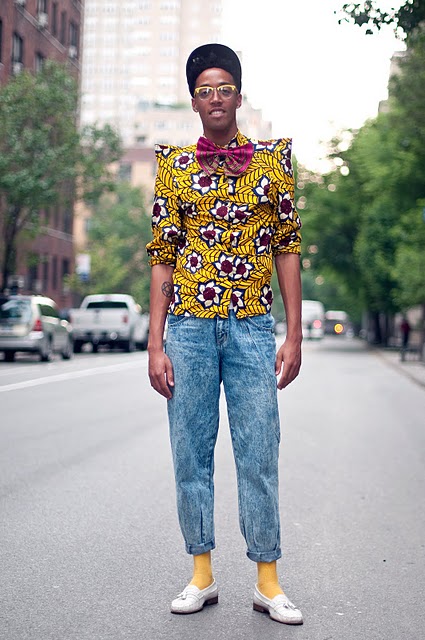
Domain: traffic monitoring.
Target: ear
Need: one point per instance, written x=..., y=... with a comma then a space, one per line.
x=239, y=101
x=194, y=105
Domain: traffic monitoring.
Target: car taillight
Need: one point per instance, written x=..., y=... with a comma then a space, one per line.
x=37, y=325
x=317, y=324
x=338, y=328
x=125, y=318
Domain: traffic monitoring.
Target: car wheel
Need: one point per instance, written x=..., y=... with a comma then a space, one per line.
x=130, y=345
x=46, y=351
x=68, y=351
x=77, y=346
x=9, y=356
x=95, y=347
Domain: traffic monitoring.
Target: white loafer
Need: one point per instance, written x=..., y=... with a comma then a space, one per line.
x=280, y=608
x=192, y=599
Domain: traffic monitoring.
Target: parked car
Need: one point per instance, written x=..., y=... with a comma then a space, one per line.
x=337, y=323
x=32, y=324
x=112, y=319
x=313, y=319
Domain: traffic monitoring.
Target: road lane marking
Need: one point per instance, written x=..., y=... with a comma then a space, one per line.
x=72, y=375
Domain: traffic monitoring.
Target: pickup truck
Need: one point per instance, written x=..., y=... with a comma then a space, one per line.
x=112, y=319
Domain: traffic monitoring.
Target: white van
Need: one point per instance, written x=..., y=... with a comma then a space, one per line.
x=313, y=319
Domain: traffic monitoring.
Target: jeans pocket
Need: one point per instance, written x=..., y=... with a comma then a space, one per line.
x=173, y=320
x=264, y=322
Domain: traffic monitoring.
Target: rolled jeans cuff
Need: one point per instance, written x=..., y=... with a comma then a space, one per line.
x=197, y=549
x=265, y=556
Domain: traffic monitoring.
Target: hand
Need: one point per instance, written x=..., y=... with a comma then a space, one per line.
x=161, y=373
x=288, y=356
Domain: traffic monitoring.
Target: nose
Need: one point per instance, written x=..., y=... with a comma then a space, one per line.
x=216, y=97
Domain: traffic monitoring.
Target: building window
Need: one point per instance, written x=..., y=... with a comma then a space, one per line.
x=56, y=218
x=45, y=273
x=65, y=269
x=17, y=49
x=42, y=6
x=55, y=272
x=39, y=61
x=73, y=40
x=124, y=172
x=62, y=36
x=67, y=221
x=32, y=273
x=55, y=19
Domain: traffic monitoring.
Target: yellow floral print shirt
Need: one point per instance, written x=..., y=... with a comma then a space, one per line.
x=220, y=233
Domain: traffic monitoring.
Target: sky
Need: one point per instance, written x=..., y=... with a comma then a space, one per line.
x=310, y=76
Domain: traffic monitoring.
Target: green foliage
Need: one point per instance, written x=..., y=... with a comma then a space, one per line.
x=42, y=155
x=409, y=268
x=407, y=117
x=368, y=14
x=38, y=138
x=99, y=147
x=365, y=219
x=330, y=227
x=120, y=230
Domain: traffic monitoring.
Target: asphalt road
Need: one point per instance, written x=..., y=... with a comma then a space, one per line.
x=89, y=542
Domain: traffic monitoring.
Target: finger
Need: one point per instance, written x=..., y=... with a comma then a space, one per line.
x=290, y=372
x=169, y=372
x=159, y=383
x=164, y=387
x=278, y=364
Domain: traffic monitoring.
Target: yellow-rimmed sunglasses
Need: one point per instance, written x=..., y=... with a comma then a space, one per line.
x=225, y=91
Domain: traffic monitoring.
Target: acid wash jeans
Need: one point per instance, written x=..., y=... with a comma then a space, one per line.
x=240, y=353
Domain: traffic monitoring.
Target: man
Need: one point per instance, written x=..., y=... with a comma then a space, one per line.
x=223, y=209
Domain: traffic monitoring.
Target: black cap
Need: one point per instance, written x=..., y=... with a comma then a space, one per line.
x=213, y=55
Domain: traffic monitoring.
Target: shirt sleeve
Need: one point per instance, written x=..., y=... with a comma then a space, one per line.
x=166, y=220
x=287, y=236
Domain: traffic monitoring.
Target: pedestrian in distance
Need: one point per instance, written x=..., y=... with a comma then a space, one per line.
x=223, y=214
x=405, y=334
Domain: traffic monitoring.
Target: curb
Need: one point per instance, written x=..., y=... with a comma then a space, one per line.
x=402, y=367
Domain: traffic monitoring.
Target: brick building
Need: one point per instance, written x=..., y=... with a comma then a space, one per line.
x=30, y=32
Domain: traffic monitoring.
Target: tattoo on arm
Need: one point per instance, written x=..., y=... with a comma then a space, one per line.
x=167, y=289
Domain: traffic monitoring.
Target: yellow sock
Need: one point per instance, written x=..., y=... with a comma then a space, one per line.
x=268, y=582
x=202, y=571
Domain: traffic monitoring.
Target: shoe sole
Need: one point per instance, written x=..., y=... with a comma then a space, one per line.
x=213, y=600
x=261, y=609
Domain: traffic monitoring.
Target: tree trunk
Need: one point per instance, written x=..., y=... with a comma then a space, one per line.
x=11, y=227
x=377, y=333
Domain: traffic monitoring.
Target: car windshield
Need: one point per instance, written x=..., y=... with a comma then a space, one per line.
x=15, y=311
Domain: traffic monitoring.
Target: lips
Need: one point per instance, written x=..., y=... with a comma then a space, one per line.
x=217, y=112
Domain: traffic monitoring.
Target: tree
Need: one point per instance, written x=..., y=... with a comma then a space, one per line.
x=407, y=115
x=120, y=229
x=409, y=267
x=369, y=15
x=43, y=158
x=330, y=215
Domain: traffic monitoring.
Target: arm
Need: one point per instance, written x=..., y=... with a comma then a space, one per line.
x=289, y=354
x=166, y=228
x=161, y=293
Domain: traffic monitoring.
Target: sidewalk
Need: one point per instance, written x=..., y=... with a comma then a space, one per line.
x=411, y=367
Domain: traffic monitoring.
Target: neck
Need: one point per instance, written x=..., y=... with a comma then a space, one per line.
x=221, y=138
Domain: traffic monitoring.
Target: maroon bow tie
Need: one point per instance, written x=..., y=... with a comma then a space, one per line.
x=234, y=159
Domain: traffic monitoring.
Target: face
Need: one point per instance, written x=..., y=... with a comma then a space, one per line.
x=218, y=114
